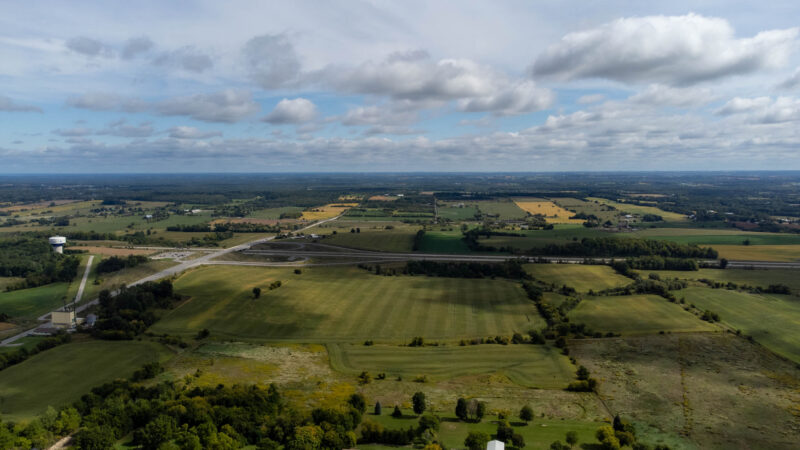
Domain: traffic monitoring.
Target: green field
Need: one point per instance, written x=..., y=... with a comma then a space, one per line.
x=62, y=375
x=641, y=210
x=345, y=303
x=527, y=365
x=503, y=209
x=468, y=212
x=716, y=237
x=600, y=210
x=274, y=213
x=579, y=276
x=755, y=277
x=443, y=242
x=401, y=240
x=773, y=320
x=785, y=253
x=539, y=434
x=636, y=314
x=8, y=281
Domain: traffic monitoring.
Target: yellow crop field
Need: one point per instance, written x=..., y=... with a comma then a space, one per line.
x=552, y=212
x=327, y=211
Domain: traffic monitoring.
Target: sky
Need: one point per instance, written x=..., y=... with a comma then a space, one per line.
x=380, y=86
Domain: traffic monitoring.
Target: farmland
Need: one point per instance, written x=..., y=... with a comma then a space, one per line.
x=327, y=211
x=335, y=304
x=773, y=320
x=66, y=373
x=581, y=277
x=552, y=212
x=528, y=365
x=628, y=208
x=400, y=240
x=502, y=209
x=636, y=314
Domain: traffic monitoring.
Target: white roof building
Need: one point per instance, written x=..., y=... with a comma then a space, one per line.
x=495, y=445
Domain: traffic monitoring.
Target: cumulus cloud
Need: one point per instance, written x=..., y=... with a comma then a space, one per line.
x=763, y=110
x=661, y=95
x=287, y=111
x=417, y=78
x=387, y=115
x=9, y=105
x=674, y=50
x=104, y=101
x=121, y=128
x=184, y=132
x=187, y=58
x=229, y=105
x=271, y=60
x=88, y=47
x=136, y=46
x=792, y=82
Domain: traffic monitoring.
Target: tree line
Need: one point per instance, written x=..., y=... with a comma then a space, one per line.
x=608, y=247
x=115, y=263
x=131, y=311
x=34, y=260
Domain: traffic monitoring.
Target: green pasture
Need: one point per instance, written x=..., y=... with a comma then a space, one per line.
x=636, y=314
x=273, y=213
x=344, y=303
x=59, y=376
x=538, y=434
x=455, y=213
x=639, y=209
x=581, y=277
x=750, y=277
x=602, y=211
x=503, y=209
x=535, y=366
x=399, y=240
x=773, y=320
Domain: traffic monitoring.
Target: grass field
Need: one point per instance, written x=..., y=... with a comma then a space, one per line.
x=468, y=212
x=716, y=237
x=8, y=281
x=755, y=277
x=640, y=210
x=581, y=277
x=273, y=213
x=345, y=303
x=773, y=320
x=636, y=314
x=396, y=240
x=61, y=375
x=527, y=365
x=539, y=434
x=503, y=209
x=552, y=212
x=604, y=212
x=779, y=253
x=443, y=242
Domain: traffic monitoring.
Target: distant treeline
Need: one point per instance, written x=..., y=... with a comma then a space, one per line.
x=235, y=227
x=509, y=269
x=34, y=260
x=131, y=311
x=609, y=247
x=115, y=263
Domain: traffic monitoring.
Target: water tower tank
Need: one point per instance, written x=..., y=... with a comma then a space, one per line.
x=57, y=242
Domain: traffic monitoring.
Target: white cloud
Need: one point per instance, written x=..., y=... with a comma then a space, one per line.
x=792, y=82
x=229, y=105
x=188, y=58
x=271, y=60
x=391, y=114
x=184, y=132
x=73, y=132
x=136, y=46
x=297, y=110
x=590, y=98
x=104, y=101
x=661, y=95
x=674, y=50
x=763, y=110
x=9, y=105
x=89, y=47
x=121, y=128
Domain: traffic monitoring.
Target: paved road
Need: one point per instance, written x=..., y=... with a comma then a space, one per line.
x=83, y=280
x=205, y=259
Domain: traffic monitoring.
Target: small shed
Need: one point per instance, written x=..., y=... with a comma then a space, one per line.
x=495, y=445
x=91, y=319
x=62, y=319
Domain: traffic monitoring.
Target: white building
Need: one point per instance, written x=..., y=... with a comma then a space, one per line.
x=495, y=445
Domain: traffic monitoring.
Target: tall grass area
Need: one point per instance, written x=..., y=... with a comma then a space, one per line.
x=528, y=365
x=579, y=276
x=345, y=304
x=636, y=314
x=773, y=320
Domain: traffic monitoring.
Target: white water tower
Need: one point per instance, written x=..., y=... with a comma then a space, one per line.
x=57, y=242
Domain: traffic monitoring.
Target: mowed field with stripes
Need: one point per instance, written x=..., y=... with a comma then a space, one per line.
x=340, y=304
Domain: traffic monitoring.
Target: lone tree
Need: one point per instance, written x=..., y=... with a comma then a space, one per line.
x=358, y=402
x=397, y=413
x=572, y=438
x=526, y=414
x=476, y=440
x=377, y=408
x=418, y=400
x=256, y=292
x=461, y=409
